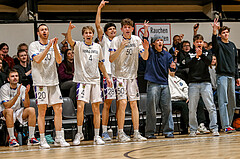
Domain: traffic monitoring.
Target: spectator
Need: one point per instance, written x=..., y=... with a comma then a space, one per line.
x=212, y=71
x=174, y=50
x=200, y=85
x=158, y=93
x=65, y=73
x=5, y=65
x=13, y=95
x=182, y=71
x=227, y=74
x=24, y=71
x=4, y=48
x=24, y=46
x=3, y=75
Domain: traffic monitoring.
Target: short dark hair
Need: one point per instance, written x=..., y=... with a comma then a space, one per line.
x=185, y=41
x=224, y=28
x=20, y=51
x=175, y=36
x=22, y=44
x=126, y=21
x=42, y=25
x=12, y=70
x=198, y=37
x=108, y=25
x=2, y=45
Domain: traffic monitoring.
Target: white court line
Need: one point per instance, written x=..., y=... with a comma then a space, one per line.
x=113, y=144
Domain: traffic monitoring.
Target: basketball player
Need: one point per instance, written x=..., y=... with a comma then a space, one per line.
x=44, y=55
x=125, y=51
x=105, y=37
x=88, y=57
x=13, y=95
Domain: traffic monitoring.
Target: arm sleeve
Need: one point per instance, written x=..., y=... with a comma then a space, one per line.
x=113, y=45
x=62, y=74
x=236, y=63
x=215, y=44
x=33, y=51
x=101, y=58
x=5, y=95
x=207, y=59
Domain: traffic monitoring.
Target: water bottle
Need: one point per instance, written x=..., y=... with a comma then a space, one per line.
x=110, y=133
x=19, y=138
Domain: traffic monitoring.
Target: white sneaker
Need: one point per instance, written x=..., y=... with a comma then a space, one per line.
x=78, y=137
x=98, y=141
x=215, y=132
x=44, y=144
x=198, y=132
x=192, y=134
x=203, y=129
x=122, y=137
x=61, y=142
x=138, y=137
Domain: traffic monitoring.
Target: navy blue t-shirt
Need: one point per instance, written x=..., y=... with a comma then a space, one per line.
x=157, y=66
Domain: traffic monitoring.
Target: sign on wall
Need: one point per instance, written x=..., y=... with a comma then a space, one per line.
x=163, y=29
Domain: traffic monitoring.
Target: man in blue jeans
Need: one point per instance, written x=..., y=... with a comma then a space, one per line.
x=200, y=85
x=158, y=93
x=227, y=72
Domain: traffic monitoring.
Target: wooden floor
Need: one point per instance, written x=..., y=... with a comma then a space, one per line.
x=183, y=147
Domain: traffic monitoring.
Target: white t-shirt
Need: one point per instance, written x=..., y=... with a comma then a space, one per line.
x=44, y=73
x=105, y=44
x=7, y=93
x=86, y=59
x=126, y=65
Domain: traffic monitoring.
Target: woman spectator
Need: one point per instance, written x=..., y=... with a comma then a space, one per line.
x=65, y=73
x=3, y=75
x=212, y=71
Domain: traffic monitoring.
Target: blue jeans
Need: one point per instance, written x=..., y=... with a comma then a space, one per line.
x=205, y=90
x=226, y=99
x=159, y=96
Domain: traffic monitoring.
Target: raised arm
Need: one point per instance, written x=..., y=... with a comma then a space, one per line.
x=56, y=51
x=215, y=27
x=38, y=58
x=98, y=19
x=195, y=29
x=26, y=101
x=114, y=54
x=69, y=34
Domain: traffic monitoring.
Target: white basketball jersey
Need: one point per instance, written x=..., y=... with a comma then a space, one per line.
x=44, y=73
x=126, y=65
x=105, y=44
x=6, y=94
x=86, y=59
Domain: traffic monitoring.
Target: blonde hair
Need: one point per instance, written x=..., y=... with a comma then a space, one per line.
x=87, y=27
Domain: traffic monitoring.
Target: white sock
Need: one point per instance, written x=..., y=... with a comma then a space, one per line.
x=120, y=131
x=58, y=134
x=104, y=128
x=11, y=133
x=31, y=131
x=42, y=136
x=96, y=132
x=135, y=131
x=80, y=129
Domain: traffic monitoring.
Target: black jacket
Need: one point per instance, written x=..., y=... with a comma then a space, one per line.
x=198, y=68
x=226, y=54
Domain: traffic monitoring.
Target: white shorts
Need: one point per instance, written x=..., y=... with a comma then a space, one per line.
x=109, y=92
x=89, y=92
x=127, y=89
x=17, y=115
x=49, y=95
